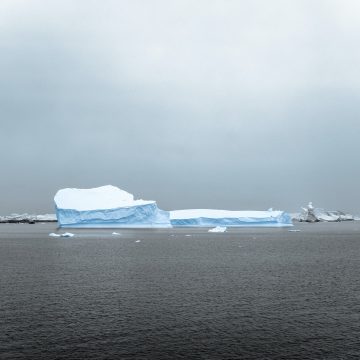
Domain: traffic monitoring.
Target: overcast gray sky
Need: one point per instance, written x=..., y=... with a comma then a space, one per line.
x=241, y=104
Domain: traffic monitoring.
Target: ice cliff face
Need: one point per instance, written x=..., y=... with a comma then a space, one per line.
x=107, y=206
x=210, y=218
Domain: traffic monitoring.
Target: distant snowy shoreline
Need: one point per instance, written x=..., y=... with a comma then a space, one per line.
x=27, y=218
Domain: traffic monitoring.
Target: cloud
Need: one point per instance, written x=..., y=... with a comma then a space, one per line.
x=236, y=104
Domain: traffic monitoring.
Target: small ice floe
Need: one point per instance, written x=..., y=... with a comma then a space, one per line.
x=294, y=230
x=137, y=241
x=54, y=235
x=218, y=229
x=188, y=235
x=115, y=233
x=67, y=234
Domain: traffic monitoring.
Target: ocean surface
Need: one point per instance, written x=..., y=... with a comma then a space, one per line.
x=180, y=294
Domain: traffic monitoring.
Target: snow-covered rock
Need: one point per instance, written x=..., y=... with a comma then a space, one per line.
x=294, y=216
x=312, y=214
x=107, y=206
x=209, y=218
x=46, y=218
x=27, y=218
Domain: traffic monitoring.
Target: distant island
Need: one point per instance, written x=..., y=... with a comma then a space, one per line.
x=313, y=214
x=27, y=218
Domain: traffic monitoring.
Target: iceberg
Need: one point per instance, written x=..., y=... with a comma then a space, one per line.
x=110, y=207
x=106, y=206
x=223, y=218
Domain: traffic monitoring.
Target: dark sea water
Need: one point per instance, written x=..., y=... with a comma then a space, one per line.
x=245, y=294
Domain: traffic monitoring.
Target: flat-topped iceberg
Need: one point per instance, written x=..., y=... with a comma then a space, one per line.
x=109, y=206
x=106, y=206
x=211, y=218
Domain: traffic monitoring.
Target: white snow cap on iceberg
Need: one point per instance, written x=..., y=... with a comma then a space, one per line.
x=103, y=197
x=220, y=214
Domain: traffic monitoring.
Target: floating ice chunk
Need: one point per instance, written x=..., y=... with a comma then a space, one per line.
x=294, y=230
x=115, y=233
x=188, y=235
x=218, y=229
x=137, y=241
x=67, y=234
